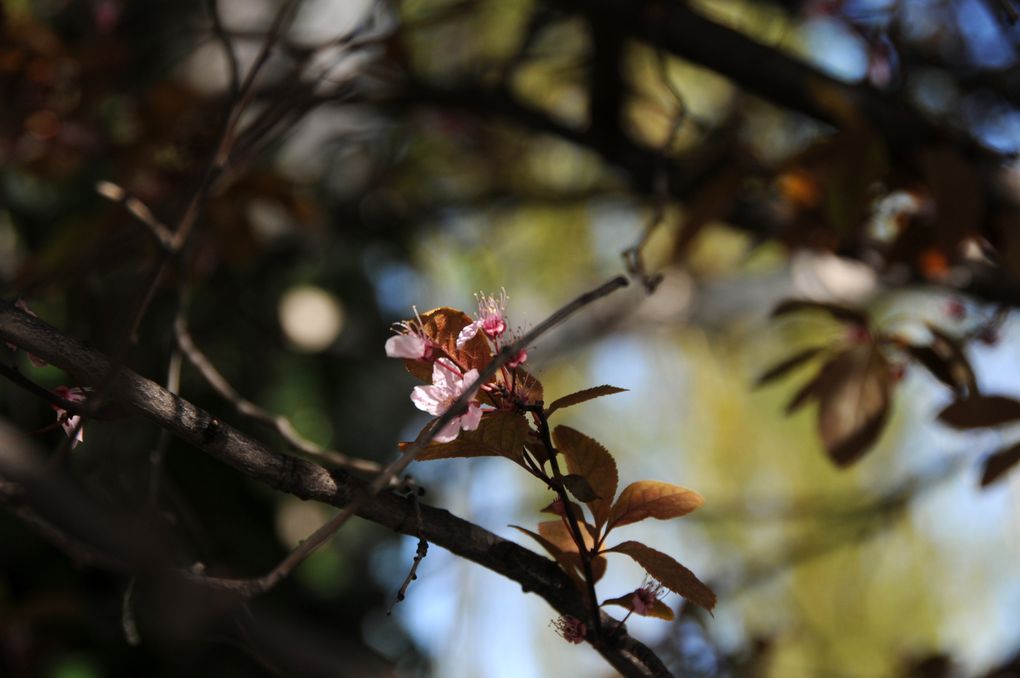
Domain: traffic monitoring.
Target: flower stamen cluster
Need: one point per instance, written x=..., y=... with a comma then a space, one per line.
x=571, y=629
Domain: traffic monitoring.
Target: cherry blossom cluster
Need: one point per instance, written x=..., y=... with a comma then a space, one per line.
x=451, y=375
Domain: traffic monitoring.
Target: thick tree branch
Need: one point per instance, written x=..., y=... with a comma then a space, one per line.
x=308, y=481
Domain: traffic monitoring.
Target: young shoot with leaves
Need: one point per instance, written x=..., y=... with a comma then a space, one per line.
x=507, y=417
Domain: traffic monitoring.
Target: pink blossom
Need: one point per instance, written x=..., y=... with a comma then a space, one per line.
x=572, y=629
x=410, y=341
x=643, y=599
x=447, y=386
x=69, y=422
x=518, y=359
x=491, y=318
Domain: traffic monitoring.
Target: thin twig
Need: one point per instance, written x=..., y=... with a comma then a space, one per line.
x=251, y=587
x=213, y=9
x=245, y=407
x=419, y=553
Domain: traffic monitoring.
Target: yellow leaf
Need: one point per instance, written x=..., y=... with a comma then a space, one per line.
x=653, y=499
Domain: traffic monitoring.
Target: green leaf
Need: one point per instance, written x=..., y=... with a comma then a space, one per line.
x=980, y=411
x=499, y=434
x=659, y=609
x=583, y=396
x=652, y=499
x=670, y=573
x=587, y=458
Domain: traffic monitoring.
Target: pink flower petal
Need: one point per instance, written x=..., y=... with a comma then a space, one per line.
x=468, y=333
x=408, y=346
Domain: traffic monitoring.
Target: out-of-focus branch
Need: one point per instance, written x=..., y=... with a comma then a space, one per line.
x=306, y=480
x=278, y=422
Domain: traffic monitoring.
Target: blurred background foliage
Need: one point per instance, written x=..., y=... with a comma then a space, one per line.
x=433, y=159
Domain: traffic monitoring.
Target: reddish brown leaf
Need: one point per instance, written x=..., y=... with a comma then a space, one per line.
x=652, y=499
x=659, y=609
x=854, y=391
x=570, y=565
x=442, y=325
x=841, y=313
x=583, y=396
x=559, y=534
x=670, y=573
x=999, y=463
x=555, y=538
x=527, y=387
x=500, y=434
x=579, y=488
x=585, y=457
x=782, y=368
x=980, y=411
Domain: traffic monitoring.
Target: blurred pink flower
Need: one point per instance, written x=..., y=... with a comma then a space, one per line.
x=491, y=318
x=447, y=385
x=571, y=629
x=69, y=422
x=410, y=341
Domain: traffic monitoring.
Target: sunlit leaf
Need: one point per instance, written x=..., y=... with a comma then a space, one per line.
x=658, y=609
x=841, y=313
x=999, y=463
x=669, y=572
x=980, y=411
x=499, y=434
x=854, y=390
x=442, y=326
x=652, y=499
x=583, y=396
x=587, y=458
x=781, y=368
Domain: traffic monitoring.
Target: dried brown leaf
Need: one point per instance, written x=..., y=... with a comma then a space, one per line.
x=669, y=572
